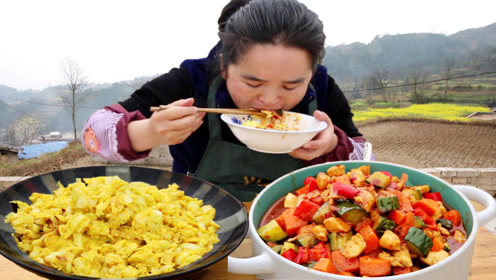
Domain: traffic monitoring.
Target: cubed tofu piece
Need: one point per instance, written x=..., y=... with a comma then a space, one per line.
x=335, y=224
x=365, y=169
x=389, y=240
x=320, y=232
x=366, y=200
x=336, y=170
x=379, y=179
x=434, y=257
x=439, y=212
x=354, y=247
x=423, y=188
x=399, y=258
x=290, y=201
x=357, y=177
x=323, y=181
x=459, y=236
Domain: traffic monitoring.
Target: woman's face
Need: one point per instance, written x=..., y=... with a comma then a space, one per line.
x=269, y=77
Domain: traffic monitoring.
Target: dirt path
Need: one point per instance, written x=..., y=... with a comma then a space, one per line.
x=430, y=144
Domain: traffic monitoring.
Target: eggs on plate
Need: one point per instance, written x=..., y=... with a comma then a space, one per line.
x=109, y=228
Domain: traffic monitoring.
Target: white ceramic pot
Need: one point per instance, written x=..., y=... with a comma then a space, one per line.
x=266, y=264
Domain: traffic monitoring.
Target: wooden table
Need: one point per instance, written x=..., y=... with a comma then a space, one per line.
x=483, y=262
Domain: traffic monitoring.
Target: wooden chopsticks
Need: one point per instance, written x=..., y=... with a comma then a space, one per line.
x=216, y=110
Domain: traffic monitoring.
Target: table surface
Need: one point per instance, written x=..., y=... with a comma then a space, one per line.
x=483, y=262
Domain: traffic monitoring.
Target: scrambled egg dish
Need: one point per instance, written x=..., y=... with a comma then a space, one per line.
x=106, y=227
x=273, y=121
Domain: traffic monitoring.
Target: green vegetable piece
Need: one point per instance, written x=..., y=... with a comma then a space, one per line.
x=387, y=203
x=339, y=239
x=351, y=213
x=286, y=246
x=277, y=248
x=383, y=224
x=379, y=179
x=307, y=239
x=419, y=223
x=272, y=231
x=445, y=223
x=418, y=242
x=447, y=248
x=323, y=213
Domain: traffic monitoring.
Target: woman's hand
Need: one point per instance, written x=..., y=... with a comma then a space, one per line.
x=322, y=144
x=169, y=127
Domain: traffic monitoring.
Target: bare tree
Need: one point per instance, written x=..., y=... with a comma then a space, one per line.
x=380, y=79
x=417, y=77
x=449, y=63
x=71, y=88
x=23, y=130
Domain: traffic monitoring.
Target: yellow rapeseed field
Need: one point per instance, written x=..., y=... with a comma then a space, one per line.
x=436, y=111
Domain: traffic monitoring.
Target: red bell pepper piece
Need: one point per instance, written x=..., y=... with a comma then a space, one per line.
x=348, y=191
x=320, y=250
x=306, y=210
x=289, y=254
x=387, y=174
x=315, y=197
x=303, y=256
x=393, y=186
x=317, y=200
x=434, y=196
x=311, y=183
x=302, y=191
x=428, y=220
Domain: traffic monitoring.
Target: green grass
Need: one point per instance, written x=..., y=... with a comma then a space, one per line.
x=432, y=111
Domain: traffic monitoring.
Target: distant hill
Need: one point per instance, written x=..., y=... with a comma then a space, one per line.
x=473, y=49
x=397, y=53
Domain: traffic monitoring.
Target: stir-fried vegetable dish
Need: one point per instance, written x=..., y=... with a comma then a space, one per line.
x=360, y=224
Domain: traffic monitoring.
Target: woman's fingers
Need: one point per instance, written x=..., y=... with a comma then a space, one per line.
x=322, y=144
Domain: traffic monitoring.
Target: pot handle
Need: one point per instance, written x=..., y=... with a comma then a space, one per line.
x=261, y=264
x=482, y=197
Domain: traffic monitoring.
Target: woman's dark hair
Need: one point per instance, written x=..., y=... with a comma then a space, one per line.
x=285, y=22
x=228, y=10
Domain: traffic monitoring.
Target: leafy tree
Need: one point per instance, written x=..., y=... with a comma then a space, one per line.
x=72, y=88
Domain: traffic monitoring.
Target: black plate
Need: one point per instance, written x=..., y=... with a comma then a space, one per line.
x=231, y=214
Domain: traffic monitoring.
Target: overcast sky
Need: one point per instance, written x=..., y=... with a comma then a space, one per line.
x=119, y=40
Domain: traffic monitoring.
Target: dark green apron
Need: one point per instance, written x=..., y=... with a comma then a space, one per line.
x=236, y=168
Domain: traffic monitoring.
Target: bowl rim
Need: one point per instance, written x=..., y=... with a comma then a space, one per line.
x=257, y=240
x=321, y=125
x=46, y=271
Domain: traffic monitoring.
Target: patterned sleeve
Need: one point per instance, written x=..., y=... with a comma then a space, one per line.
x=105, y=134
x=362, y=149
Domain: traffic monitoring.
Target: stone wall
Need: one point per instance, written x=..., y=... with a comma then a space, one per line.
x=483, y=178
